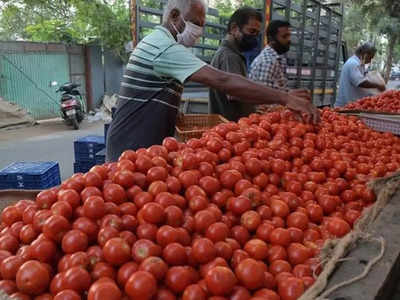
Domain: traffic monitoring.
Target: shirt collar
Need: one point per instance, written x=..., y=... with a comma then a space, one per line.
x=166, y=31
x=357, y=59
x=272, y=51
x=231, y=45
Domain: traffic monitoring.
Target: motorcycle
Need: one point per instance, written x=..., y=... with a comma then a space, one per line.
x=72, y=108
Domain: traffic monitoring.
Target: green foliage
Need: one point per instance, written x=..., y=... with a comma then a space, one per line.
x=68, y=21
x=227, y=7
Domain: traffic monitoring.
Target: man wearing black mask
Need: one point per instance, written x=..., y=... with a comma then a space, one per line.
x=269, y=67
x=243, y=31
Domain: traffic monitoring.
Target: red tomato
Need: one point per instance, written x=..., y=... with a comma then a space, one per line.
x=104, y=289
x=250, y=273
x=32, y=278
x=290, y=288
x=220, y=281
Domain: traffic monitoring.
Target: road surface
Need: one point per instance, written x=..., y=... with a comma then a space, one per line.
x=48, y=141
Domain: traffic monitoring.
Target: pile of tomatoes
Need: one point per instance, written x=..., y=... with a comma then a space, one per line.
x=386, y=102
x=239, y=214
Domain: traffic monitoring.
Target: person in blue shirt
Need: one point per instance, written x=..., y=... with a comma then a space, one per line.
x=353, y=78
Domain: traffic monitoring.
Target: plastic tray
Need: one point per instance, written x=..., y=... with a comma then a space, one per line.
x=30, y=175
x=382, y=124
x=193, y=126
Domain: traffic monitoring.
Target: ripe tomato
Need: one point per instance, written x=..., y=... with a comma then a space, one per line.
x=298, y=254
x=338, y=227
x=74, y=241
x=104, y=289
x=32, y=278
x=56, y=227
x=94, y=208
x=291, y=288
x=298, y=220
x=114, y=193
x=10, y=266
x=279, y=266
x=143, y=249
x=220, y=281
x=194, y=292
x=279, y=208
x=125, y=271
x=175, y=254
x=250, y=273
x=178, y=279
x=257, y=249
x=280, y=236
x=203, y=250
x=217, y=232
x=156, y=266
x=117, y=251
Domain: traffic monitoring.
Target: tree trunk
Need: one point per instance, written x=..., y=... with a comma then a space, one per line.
x=389, y=59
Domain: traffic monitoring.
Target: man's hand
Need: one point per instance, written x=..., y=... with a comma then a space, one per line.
x=301, y=93
x=382, y=87
x=301, y=105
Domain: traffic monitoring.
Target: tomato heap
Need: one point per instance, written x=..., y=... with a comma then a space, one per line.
x=239, y=214
x=386, y=102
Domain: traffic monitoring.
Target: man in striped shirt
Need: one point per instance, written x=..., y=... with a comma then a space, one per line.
x=158, y=67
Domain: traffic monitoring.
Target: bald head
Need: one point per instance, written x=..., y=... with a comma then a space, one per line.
x=176, y=12
x=184, y=7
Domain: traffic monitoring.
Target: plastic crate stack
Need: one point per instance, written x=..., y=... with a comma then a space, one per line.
x=85, y=152
x=30, y=175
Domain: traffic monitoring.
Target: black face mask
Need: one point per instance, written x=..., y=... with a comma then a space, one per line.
x=248, y=42
x=280, y=48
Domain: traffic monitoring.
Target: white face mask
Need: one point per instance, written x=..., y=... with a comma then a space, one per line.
x=190, y=35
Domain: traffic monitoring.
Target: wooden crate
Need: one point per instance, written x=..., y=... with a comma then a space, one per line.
x=10, y=197
x=193, y=126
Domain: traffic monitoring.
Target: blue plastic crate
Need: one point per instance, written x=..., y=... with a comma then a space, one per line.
x=85, y=157
x=101, y=157
x=30, y=175
x=89, y=144
x=83, y=167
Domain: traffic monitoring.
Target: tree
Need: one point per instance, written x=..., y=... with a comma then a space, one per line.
x=384, y=22
x=68, y=21
x=227, y=7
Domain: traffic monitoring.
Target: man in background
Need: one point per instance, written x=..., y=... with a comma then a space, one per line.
x=243, y=30
x=269, y=67
x=353, y=78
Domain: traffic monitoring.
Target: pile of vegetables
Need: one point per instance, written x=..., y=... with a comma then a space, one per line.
x=241, y=213
x=386, y=102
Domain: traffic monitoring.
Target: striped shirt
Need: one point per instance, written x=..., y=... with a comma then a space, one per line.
x=150, y=93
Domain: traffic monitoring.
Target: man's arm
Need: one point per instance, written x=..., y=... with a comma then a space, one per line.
x=251, y=92
x=370, y=85
x=358, y=79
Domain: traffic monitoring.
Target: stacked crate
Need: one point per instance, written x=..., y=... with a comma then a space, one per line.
x=85, y=152
x=30, y=175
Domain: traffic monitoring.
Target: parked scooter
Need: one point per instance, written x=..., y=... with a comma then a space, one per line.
x=72, y=108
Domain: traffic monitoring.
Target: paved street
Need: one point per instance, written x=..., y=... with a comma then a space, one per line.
x=48, y=141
